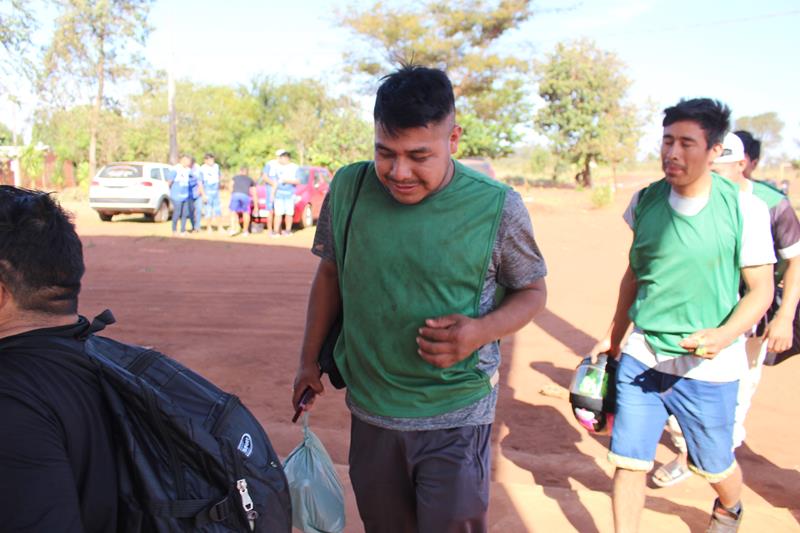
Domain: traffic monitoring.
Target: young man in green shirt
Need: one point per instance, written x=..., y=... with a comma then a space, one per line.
x=694, y=238
x=775, y=331
x=429, y=243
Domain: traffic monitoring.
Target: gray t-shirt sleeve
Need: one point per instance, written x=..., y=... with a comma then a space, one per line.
x=516, y=259
x=323, y=246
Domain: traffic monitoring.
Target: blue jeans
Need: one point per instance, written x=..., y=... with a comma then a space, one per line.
x=197, y=213
x=705, y=411
x=180, y=210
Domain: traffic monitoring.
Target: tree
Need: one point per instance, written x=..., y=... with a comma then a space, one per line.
x=17, y=24
x=6, y=135
x=94, y=42
x=457, y=36
x=766, y=127
x=585, y=115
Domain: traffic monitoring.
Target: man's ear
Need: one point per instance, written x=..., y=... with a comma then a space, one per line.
x=455, y=136
x=6, y=299
x=716, y=151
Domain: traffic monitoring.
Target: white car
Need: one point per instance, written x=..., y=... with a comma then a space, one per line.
x=134, y=187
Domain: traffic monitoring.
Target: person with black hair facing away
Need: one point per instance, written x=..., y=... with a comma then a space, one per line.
x=752, y=152
x=695, y=236
x=57, y=461
x=429, y=243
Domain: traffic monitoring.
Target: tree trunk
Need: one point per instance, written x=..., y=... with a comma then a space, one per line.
x=94, y=123
x=587, y=172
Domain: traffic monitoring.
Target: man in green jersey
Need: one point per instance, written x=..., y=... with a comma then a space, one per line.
x=429, y=243
x=694, y=239
x=774, y=336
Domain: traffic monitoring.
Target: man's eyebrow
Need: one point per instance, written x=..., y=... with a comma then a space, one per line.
x=414, y=151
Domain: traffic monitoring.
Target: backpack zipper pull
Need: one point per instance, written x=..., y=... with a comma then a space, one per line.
x=247, y=503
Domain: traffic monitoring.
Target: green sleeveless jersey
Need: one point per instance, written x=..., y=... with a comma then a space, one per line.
x=686, y=267
x=405, y=264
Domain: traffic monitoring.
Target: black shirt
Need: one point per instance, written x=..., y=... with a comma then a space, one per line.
x=57, y=467
x=242, y=184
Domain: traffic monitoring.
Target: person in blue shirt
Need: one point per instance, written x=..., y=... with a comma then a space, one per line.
x=196, y=195
x=209, y=173
x=179, y=193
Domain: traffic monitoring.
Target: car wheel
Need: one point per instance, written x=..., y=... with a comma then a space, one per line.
x=162, y=213
x=106, y=217
x=307, y=220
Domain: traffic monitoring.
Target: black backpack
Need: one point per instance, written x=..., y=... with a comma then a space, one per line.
x=190, y=456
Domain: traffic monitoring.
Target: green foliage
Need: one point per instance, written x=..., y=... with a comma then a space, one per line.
x=602, y=195
x=94, y=42
x=241, y=127
x=17, y=25
x=6, y=135
x=540, y=159
x=585, y=115
x=65, y=131
x=766, y=127
x=31, y=162
x=459, y=37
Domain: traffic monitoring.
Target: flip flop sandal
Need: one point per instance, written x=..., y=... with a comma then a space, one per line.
x=723, y=522
x=670, y=474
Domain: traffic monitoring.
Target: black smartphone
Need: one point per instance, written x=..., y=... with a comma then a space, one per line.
x=304, y=399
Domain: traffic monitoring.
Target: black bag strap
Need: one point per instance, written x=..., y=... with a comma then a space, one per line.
x=359, y=181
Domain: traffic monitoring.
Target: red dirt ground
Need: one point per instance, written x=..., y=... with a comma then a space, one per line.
x=233, y=309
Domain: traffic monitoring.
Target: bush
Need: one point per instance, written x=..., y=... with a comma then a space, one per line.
x=602, y=195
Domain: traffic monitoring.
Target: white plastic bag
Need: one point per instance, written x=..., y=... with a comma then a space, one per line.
x=316, y=491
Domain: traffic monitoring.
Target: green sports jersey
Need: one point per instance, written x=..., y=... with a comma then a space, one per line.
x=686, y=267
x=407, y=263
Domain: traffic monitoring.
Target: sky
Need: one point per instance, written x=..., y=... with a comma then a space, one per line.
x=740, y=52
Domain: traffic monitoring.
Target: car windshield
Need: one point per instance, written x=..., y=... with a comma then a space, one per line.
x=121, y=171
x=302, y=175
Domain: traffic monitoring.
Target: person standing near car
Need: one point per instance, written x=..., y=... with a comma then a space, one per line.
x=196, y=195
x=285, y=173
x=209, y=173
x=180, y=193
x=243, y=197
x=429, y=244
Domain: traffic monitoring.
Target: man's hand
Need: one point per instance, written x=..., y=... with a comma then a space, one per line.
x=707, y=343
x=446, y=340
x=307, y=376
x=604, y=346
x=779, y=333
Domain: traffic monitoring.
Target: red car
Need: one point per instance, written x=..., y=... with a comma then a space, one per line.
x=308, y=196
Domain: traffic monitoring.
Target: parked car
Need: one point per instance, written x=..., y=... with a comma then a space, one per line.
x=479, y=164
x=132, y=187
x=308, y=196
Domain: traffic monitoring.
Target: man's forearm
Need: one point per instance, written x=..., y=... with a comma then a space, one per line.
x=791, y=289
x=627, y=295
x=751, y=307
x=517, y=309
x=324, y=303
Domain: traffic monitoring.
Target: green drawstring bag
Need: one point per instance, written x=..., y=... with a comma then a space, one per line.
x=316, y=491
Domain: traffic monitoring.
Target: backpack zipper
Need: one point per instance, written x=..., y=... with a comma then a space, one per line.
x=247, y=503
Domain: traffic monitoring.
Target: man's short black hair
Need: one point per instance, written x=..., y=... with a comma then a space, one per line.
x=41, y=257
x=208, y=155
x=713, y=117
x=752, y=146
x=413, y=97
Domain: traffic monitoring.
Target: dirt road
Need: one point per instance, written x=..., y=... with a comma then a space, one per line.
x=233, y=309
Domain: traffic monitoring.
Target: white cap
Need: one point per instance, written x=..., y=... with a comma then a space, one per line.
x=732, y=150
x=282, y=152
